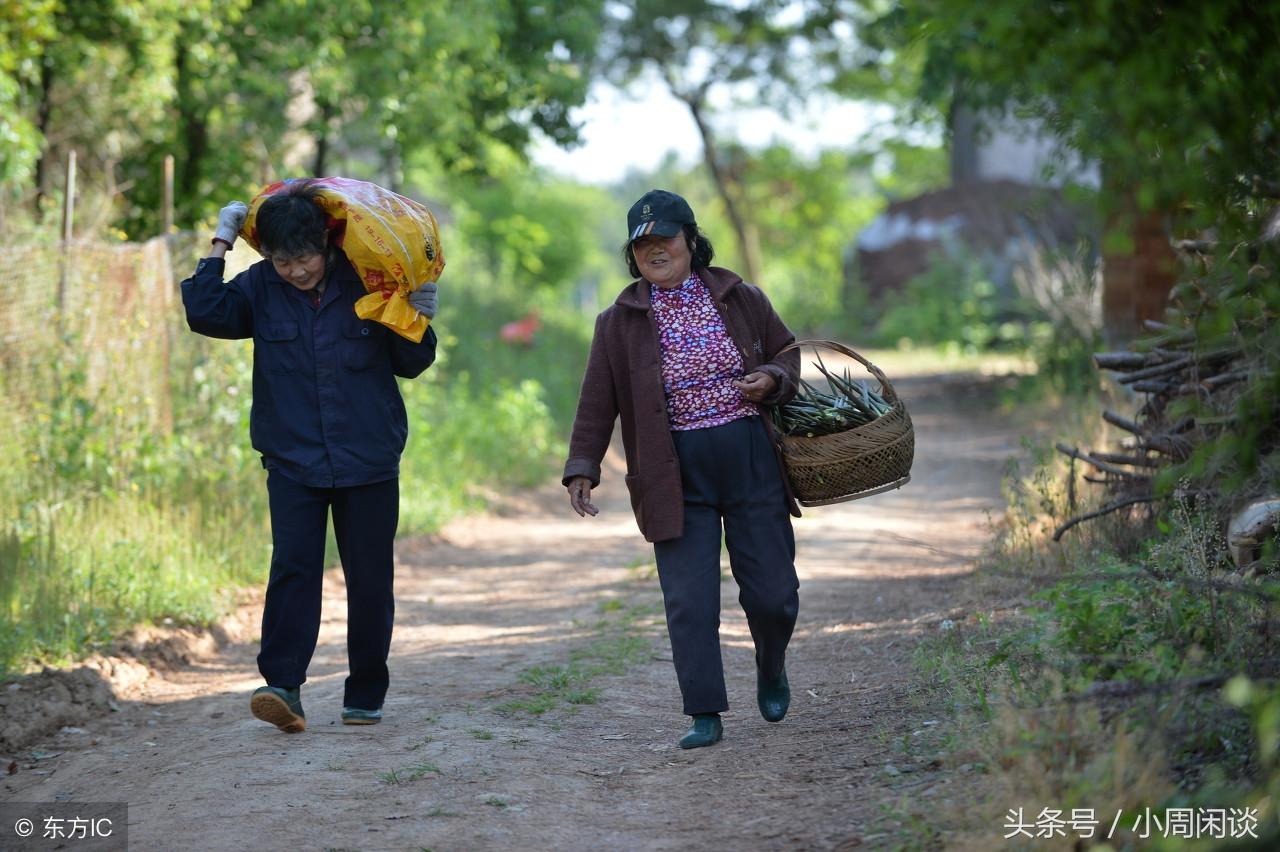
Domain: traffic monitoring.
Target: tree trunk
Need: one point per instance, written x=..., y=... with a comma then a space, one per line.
x=724, y=185
x=322, y=152
x=963, y=127
x=44, y=115
x=322, y=140
x=1136, y=278
x=392, y=164
x=193, y=130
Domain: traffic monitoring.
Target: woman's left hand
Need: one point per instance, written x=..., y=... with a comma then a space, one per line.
x=756, y=386
x=424, y=300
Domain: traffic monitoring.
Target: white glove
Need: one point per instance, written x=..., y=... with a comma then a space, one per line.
x=230, y=221
x=424, y=300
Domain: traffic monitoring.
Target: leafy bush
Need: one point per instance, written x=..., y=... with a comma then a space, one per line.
x=1103, y=689
x=953, y=303
x=110, y=516
x=107, y=520
x=466, y=446
x=956, y=307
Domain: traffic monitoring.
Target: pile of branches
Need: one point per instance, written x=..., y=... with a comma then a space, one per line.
x=1167, y=366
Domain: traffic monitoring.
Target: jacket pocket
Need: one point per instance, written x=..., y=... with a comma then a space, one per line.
x=360, y=342
x=636, y=490
x=278, y=352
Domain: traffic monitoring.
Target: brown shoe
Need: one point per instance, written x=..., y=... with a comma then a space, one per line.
x=280, y=707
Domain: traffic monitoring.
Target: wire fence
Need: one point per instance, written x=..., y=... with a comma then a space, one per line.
x=126, y=490
x=106, y=317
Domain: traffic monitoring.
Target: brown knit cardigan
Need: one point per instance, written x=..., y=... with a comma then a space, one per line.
x=624, y=379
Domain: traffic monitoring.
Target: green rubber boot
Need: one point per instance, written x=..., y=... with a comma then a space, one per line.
x=707, y=730
x=773, y=696
x=357, y=716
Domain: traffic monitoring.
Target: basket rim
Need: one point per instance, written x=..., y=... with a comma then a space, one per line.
x=845, y=350
x=858, y=495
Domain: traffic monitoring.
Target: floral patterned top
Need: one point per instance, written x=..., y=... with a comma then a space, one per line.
x=699, y=359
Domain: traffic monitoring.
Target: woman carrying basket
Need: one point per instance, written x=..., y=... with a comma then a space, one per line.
x=685, y=357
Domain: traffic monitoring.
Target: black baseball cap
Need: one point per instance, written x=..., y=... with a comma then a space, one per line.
x=658, y=212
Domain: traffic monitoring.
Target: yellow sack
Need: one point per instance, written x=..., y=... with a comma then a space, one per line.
x=392, y=241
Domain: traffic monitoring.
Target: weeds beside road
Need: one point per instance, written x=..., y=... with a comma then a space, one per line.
x=1124, y=671
x=129, y=493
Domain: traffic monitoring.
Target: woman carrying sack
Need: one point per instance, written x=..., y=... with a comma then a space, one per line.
x=330, y=424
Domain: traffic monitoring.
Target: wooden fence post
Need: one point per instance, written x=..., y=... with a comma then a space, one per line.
x=161, y=264
x=166, y=210
x=68, y=226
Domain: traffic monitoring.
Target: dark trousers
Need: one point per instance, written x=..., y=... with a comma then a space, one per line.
x=730, y=475
x=364, y=523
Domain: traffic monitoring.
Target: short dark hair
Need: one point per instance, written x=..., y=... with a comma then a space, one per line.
x=699, y=247
x=291, y=223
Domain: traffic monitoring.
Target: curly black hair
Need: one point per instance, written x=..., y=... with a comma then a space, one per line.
x=699, y=247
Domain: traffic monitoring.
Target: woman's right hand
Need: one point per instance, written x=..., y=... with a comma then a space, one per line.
x=580, y=496
x=230, y=221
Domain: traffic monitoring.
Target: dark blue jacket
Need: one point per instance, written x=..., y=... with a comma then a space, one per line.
x=326, y=408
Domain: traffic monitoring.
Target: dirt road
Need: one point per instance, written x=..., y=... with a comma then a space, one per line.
x=533, y=702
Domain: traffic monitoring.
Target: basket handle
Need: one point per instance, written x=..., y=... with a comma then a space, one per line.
x=891, y=396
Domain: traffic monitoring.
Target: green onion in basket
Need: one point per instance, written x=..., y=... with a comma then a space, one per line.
x=812, y=413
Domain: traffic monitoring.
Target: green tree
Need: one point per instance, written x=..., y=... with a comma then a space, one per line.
x=1180, y=102
x=385, y=80
x=267, y=88
x=25, y=28
x=1177, y=103
x=767, y=51
x=808, y=211
x=75, y=73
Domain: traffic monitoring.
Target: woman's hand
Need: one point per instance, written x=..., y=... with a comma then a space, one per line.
x=230, y=221
x=756, y=386
x=580, y=496
x=424, y=300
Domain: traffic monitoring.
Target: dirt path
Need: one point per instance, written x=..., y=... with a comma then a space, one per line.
x=465, y=761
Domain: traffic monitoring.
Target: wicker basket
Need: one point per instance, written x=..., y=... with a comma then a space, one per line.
x=859, y=462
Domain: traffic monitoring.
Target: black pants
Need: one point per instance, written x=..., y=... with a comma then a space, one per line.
x=729, y=473
x=364, y=522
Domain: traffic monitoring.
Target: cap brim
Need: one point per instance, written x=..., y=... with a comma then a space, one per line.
x=660, y=229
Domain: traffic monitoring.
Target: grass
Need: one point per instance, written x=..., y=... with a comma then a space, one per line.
x=440, y=813
x=76, y=572
x=448, y=460
x=617, y=644
x=641, y=569
x=409, y=773
x=902, y=828
x=955, y=666
x=129, y=493
x=1079, y=691
x=553, y=686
